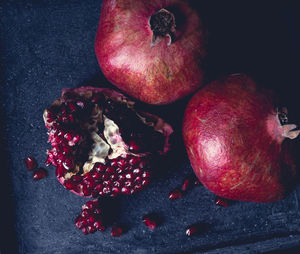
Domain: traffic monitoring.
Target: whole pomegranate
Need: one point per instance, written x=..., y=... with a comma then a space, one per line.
x=101, y=146
x=235, y=138
x=152, y=50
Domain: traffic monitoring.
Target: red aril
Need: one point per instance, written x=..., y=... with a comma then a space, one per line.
x=152, y=50
x=238, y=141
x=39, y=174
x=92, y=132
x=30, y=162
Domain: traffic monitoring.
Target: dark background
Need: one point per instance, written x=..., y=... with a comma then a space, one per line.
x=49, y=45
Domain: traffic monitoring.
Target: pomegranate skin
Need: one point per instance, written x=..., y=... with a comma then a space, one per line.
x=155, y=74
x=236, y=143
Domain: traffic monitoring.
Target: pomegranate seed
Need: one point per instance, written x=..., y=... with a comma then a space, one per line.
x=143, y=164
x=60, y=171
x=114, y=177
x=39, y=174
x=116, y=231
x=105, y=176
x=185, y=184
x=146, y=174
x=134, y=147
x=50, y=116
x=129, y=176
x=110, y=170
x=100, y=167
x=107, y=183
x=85, y=231
x=96, y=175
x=138, y=187
x=90, y=184
x=68, y=136
x=107, y=190
x=80, y=104
x=136, y=171
x=138, y=179
x=48, y=161
x=79, y=224
x=134, y=160
x=98, y=226
x=91, y=229
x=115, y=190
x=221, y=201
x=68, y=163
x=69, y=185
x=191, y=231
x=175, y=194
x=86, y=191
x=31, y=163
x=196, y=229
x=128, y=184
x=72, y=107
x=116, y=183
x=85, y=213
x=114, y=163
x=122, y=163
x=76, y=178
x=122, y=177
x=76, y=139
x=151, y=221
x=145, y=182
x=125, y=190
x=91, y=219
x=97, y=210
x=90, y=204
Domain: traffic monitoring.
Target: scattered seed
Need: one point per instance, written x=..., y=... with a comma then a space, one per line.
x=175, y=194
x=31, y=163
x=151, y=220
x=221, y=201
x=39, y=174
x=116, y=231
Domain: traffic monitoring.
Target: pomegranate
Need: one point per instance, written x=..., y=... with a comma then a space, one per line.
x=238, y=142
x=152, y=50
x=102, y=146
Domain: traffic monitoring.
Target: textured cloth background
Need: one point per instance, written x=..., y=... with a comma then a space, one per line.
x=49, y=45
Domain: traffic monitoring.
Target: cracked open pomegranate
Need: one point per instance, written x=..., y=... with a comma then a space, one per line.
x=152, y=50
x=238, y=141
x=102, y=146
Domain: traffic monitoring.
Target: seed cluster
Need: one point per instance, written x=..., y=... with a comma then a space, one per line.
x=90, y=219
x=123, y=175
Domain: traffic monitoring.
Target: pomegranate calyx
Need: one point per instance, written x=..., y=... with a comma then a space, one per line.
x=162, y=23
x=288, y=130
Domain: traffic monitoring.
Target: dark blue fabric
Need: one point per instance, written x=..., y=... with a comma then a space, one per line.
x=46, y=46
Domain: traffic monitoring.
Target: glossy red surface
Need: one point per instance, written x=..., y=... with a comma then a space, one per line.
x=157, y=74
x=234, y=141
